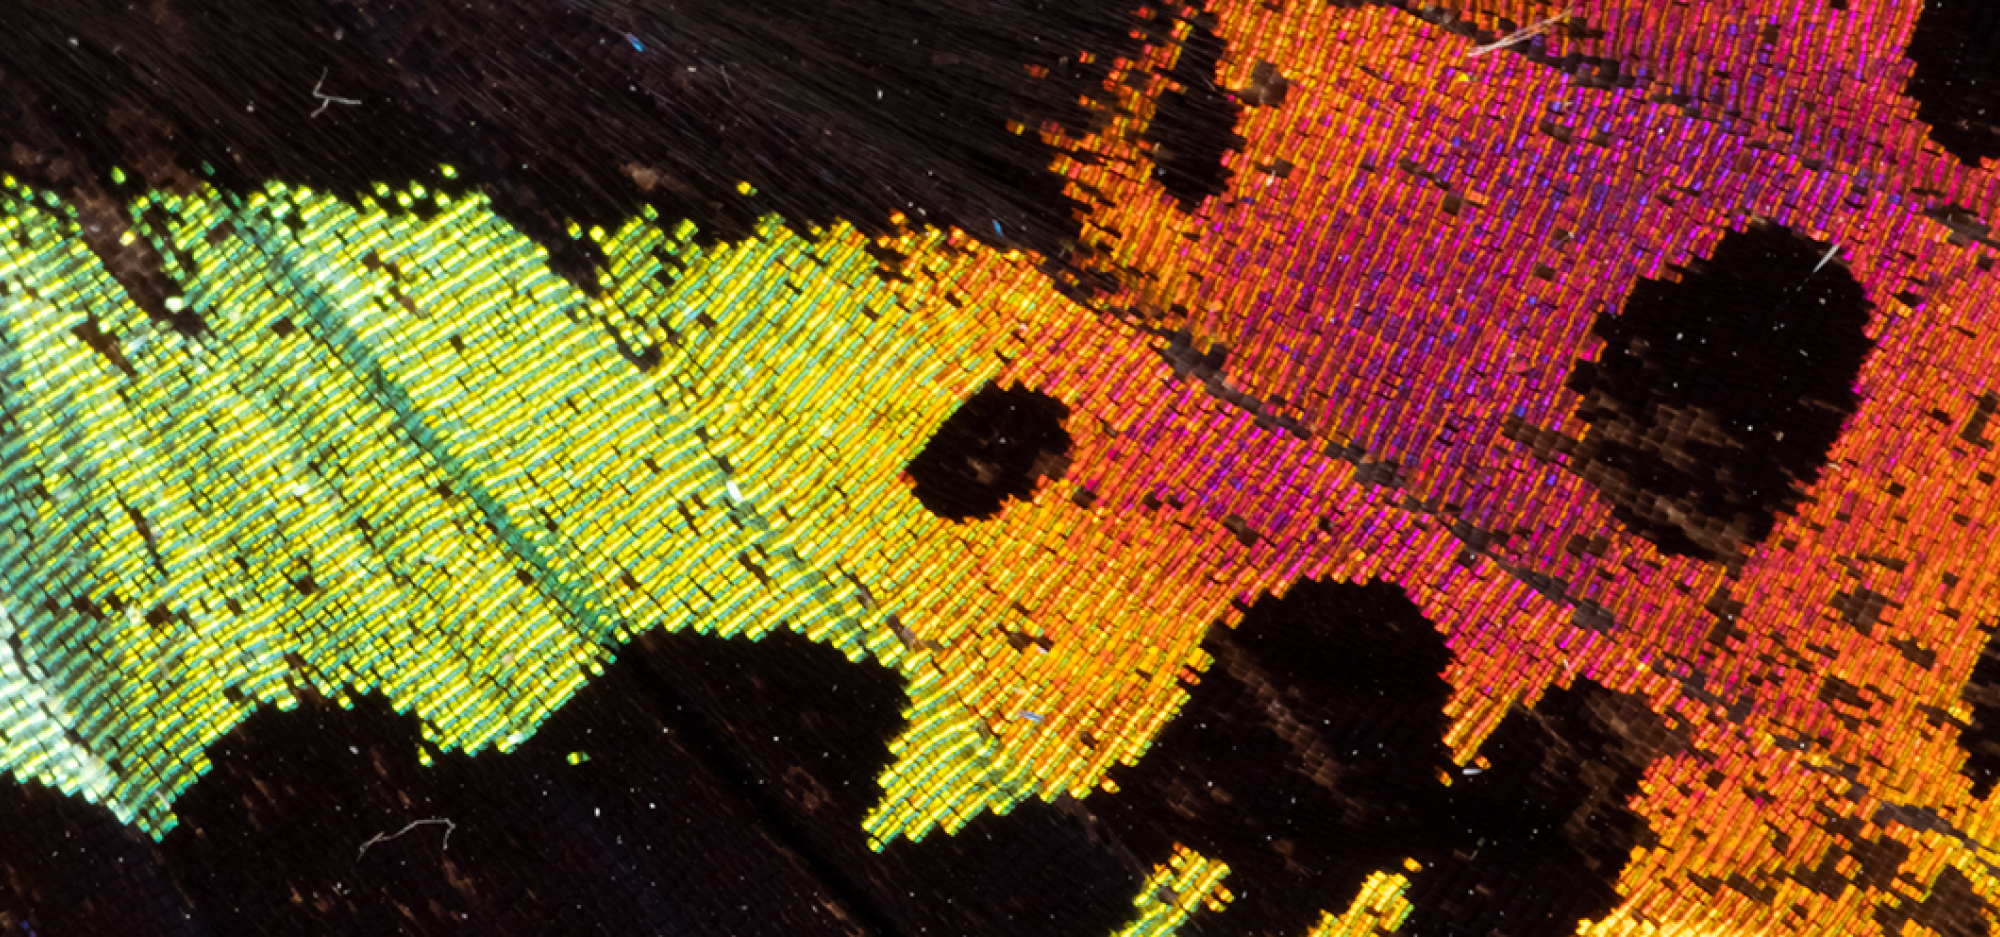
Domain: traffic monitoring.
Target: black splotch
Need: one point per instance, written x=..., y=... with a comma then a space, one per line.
x=644, y=833
x=1980, y=738
x=999, y=444
x=1718, y=396
x=1956, y=83
x=1194, y=124
x=68, y=867
x=813, y=729
x=1308, y=756
x=1952, y=909
x=1875, y=861
x=1542, y=834
x=578, y=113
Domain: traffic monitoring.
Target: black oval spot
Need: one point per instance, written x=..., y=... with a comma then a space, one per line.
x=1194, y=124
x=999, y=444
x=1718, y=396
x=1956, y=83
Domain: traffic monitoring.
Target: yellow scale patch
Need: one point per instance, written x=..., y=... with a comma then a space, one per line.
x=413, y=460
x=1185, y=883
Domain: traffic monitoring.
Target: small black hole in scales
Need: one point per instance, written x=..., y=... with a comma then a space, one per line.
x=998, y=445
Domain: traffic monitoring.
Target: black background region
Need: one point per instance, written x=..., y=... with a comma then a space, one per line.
x=567, y=111
x=698, y=787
